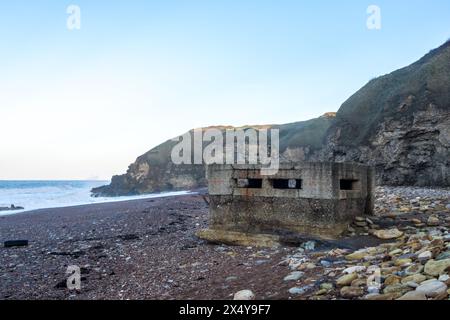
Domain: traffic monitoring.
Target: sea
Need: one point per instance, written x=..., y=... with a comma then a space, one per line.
x=33, y=195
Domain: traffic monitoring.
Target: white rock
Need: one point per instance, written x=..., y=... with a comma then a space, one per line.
x=373, y=289
x=296, y=291
x=444, y=277
x=309, y=246
x=294, y=276
x=425, y=255
x=432, y=288
x=299, y=290
x=412, y=284
x=372, y=269
x=294, y=263
x=413, y=295
x=388, y=234
x=354, y=269
x=244, y=295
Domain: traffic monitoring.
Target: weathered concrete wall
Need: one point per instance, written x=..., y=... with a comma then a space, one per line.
x=319, y=208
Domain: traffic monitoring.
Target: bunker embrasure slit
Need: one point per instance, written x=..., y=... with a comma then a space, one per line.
x=349, y=184
x=284, y=184
x=249, y=183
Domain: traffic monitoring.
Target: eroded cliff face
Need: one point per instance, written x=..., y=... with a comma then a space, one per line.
x=399, y=123
x=154, y=172
x=158, y=179
x=406, y=150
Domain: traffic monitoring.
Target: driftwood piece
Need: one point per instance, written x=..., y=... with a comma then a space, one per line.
x=16, y=243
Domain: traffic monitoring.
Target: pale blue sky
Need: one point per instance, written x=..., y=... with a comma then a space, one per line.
x=85, y=103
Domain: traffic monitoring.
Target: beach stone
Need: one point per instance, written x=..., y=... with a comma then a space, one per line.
x=294, y=276
x=231, y=278
x=408, y=255
x=414, y=269
x=413, y=295
x=436, y=267
x=309, y=246
x=388, y=234
x=397, y=288
x=354, y=269
x=346, y=279
x=381, y=297
x=426, y=255
x=395, y=252
x=412, y=284
x=351, y=292
x=445, y=278
x=244, y=295
x=325, y=263
x=405, y=209
x=373, y=268
x=443, y=255
x=357, y=255
x=295, y=263
x=359, y=283
x=432, y=288
x=299, y=290
x=417, y=278
x=402, y=262
x=373, y=289
x=296, y=291
x=386, y=271
x=310, y=265
x=326, y=286
x=320, y=292
x=437, y=242
x=433, y=221
x=361, y=224
x=392, y=279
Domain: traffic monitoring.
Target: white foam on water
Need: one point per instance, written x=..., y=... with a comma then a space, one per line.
x=33, y=195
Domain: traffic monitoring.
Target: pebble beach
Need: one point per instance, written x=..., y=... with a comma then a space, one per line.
x=147, y=249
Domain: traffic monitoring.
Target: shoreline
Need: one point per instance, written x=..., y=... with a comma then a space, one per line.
x=104, y=200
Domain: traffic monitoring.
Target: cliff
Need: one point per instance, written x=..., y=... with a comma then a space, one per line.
x=399, y=123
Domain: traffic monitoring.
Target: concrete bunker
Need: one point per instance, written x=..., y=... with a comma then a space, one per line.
x=310, y=199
